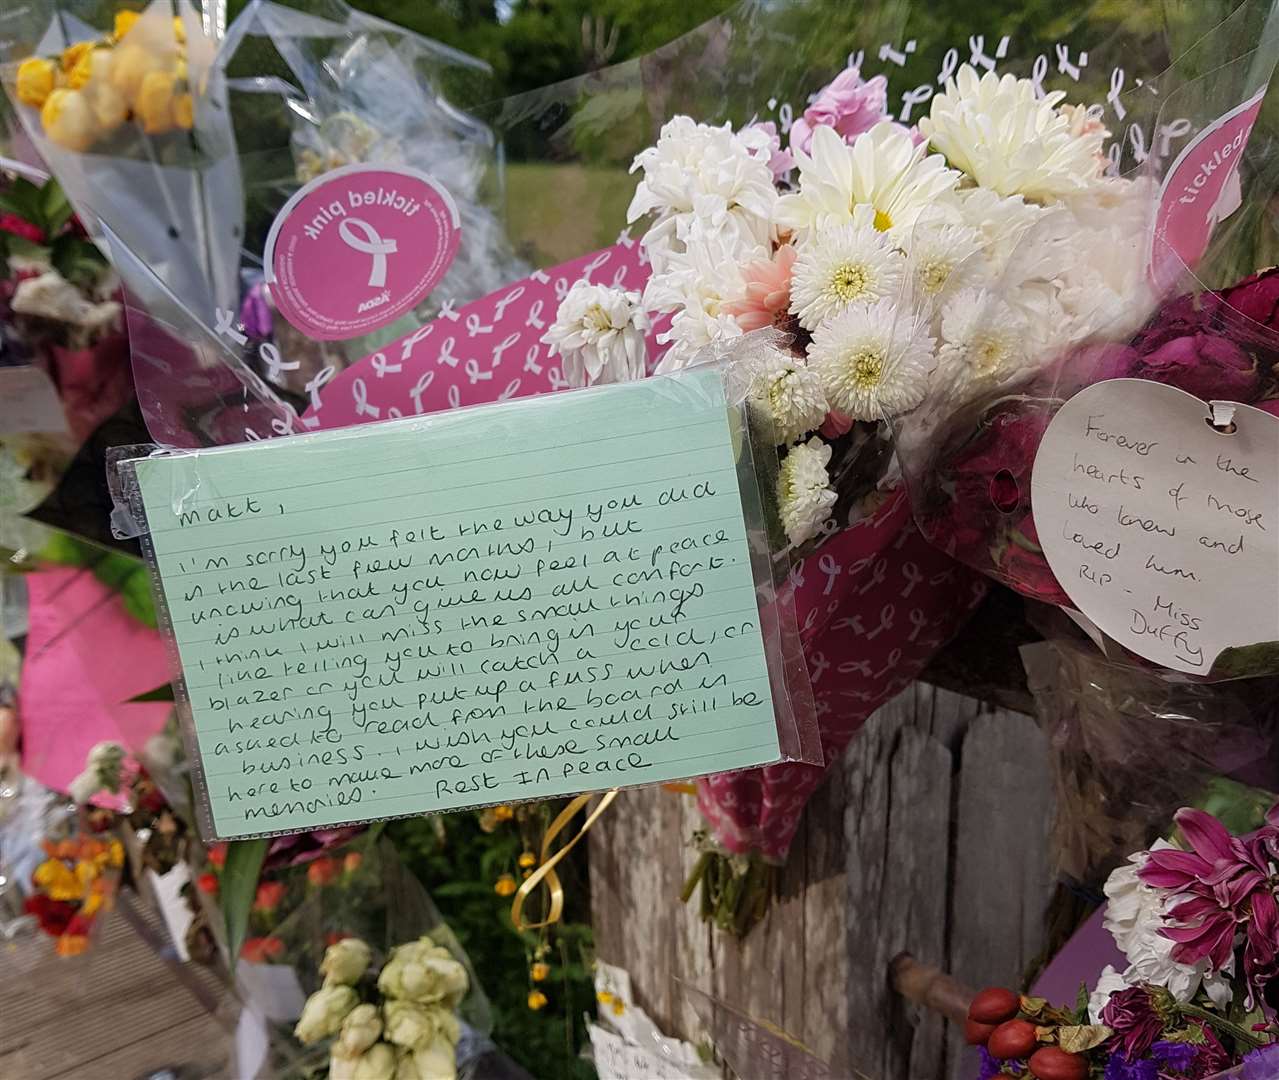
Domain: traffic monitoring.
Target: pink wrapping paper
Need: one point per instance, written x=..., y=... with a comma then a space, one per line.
x=85, y=658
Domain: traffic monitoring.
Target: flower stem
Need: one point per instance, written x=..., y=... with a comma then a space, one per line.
x=691, y=882
x=1226, y=1027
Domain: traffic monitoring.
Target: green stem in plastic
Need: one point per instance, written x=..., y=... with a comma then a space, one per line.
x=1220, y=1023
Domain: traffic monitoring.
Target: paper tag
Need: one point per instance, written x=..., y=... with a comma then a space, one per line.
x=173, y=905
x=29, y=402
x=1163, y=530
x=502, y=603
x=357, y=247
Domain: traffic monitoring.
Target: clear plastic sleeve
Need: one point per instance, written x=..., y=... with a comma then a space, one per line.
x=312, y=579
x=1128, y=747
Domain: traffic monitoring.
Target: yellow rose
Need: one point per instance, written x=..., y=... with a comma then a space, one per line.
x=109, y=107
x=93, y=63
x=124, y=21
x=91, y=904
x=154, y=103
x=35, y=80
x=68, y=120
x=72, y=54
x=131, y=64
x=57, y=880
x=115, y=853
x=184, y=112
x=179, y=29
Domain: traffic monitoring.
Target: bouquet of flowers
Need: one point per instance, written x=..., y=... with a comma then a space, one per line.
x=1197, y=924
x=399, y=1020
x=74, y=884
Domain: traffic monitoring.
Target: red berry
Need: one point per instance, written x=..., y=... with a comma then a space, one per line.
x=1012, y=1039
x=994, y=1005
x=977, y=1033
x=1054, y=1063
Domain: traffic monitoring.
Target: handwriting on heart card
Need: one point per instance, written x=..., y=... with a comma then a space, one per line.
x=494, y=604
x=1162, y=528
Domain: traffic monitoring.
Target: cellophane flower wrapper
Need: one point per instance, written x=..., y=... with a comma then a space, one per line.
x=1133, y=302
x=361, y=890
x=1128, y=746
x=184, y=207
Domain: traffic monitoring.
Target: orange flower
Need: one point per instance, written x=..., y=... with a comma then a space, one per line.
x=505, y=885
x=71, y=944
x=537, y=1000
x=322, y=871
x=217, y=855
x=269, y=895
x=207, y=884
x=334, y=936
x=540, y=971
x=261, y=950
x=351, y=863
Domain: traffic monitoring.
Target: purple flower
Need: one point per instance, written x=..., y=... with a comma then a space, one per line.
x=993, y=1067
x=1119, y=1069
x=1262, y=1064
x=850, y=105
x=780, y=161
x=1134, y=1021
x=1224, y=879
x=255, y=312
x=1176, y=1056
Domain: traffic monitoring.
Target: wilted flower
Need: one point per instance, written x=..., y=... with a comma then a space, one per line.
x=424, y=972
x=101, y=771
x=360, y=1030
x=1132, y=1016
x=323, y=1013
x=436, y=1061
x=376, y=1063
x=345, y=962
x=411, y=1025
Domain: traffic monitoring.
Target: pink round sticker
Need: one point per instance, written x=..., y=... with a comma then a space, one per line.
x=358, y=247
x=1200, y=189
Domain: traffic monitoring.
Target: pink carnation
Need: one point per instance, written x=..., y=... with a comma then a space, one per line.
x=780, y=161
x=767, y=299
x=850, y=105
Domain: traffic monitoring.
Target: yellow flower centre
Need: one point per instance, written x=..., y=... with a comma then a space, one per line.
x=849, y=281
x=882, y=221
x=597, y=319
x=990, y=353
x=934, y=275
x=866, y=368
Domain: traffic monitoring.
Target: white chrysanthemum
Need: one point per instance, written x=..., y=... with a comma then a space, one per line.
x=710, y=173
x=599, y=333
x=982, y=339
x=943, y=259
x=873, y=361
x=1000, y=222
x=1134, y=917
x=695, y=285
x=850, y=264
x=787, y=394
x=1009, y=140
x=804, y=495
x=882, y=169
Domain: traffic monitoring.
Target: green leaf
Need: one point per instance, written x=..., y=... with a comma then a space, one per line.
x=76, y=259
x=160, y=693
x=239, y=882
x=55, y=208
x=1081, y=1003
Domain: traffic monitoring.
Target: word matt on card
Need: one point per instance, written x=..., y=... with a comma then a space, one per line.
x=1163, y=530
x=508, y=602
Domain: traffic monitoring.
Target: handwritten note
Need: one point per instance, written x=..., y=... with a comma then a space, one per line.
x=1163, y=529
x=507, y=602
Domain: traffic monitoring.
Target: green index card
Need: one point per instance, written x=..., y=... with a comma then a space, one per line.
x=506, y=602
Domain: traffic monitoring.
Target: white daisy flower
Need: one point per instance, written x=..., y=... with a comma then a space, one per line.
x=982, y=339
x=874, y=361
x=787, y=395
x=1008, y=140
x=850, y=264
x=943, y=259
x=804, y=495
x=882, y=169
x=599, y=334
x=699, y=171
